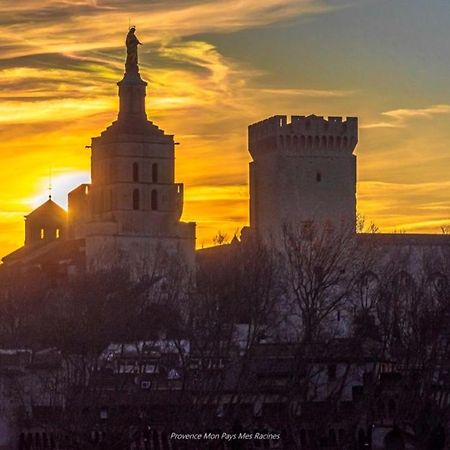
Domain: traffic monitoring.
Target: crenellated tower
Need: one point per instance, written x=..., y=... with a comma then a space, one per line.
x=302, y=171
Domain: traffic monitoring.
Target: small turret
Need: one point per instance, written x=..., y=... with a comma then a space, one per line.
x=45, y=224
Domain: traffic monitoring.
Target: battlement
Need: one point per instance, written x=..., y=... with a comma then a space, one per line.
x=303, y=133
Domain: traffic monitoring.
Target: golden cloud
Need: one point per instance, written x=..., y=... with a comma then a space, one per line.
x=401, y=116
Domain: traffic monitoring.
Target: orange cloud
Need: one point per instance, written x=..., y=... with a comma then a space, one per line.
x=77, y=26
x=412, y=207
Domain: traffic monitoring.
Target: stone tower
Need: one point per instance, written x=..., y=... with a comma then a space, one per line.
x=302, y=171
x=134, y=203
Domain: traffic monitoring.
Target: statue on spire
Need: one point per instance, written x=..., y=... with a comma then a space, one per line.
x=132, y=43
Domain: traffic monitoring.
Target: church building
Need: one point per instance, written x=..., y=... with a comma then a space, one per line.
x=130, y=213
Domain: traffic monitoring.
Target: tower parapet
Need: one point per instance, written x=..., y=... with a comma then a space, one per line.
x=303, y=134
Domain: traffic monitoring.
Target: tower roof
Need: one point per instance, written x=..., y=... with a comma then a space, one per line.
x=49, y=208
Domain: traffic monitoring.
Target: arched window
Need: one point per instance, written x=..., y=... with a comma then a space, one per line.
x=136, y=199
x=345, y=142
x=309, y=141
x=302, y=141
x=135, y=171
x=324, y=141
x=338, y=142
x=154, y=200
x=58, y=233
x=154, y=173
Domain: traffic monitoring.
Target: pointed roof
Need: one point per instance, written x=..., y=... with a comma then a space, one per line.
x=49, y=208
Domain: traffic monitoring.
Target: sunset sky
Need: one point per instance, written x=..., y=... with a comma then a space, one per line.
x=213, y=67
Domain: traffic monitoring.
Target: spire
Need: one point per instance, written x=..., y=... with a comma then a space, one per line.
x=50, y=184
x=132, y=88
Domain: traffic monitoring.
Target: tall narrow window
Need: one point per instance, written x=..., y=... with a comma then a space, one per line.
x=58, y=233
x=136, y=199
x=42, y=233
x=154, y=173
x=154, y=200
x=135, y=171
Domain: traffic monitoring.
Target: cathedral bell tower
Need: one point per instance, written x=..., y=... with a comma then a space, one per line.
x=134, y=203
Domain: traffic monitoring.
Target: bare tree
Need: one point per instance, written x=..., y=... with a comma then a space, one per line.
x=22, y=295
x=321, y=265
x=232, y=308
x=404, y=305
